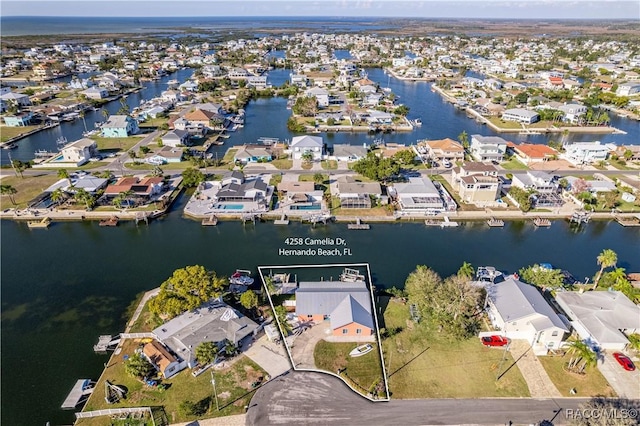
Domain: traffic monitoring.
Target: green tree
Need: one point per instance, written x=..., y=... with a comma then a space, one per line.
x=187, y=288
x=9, y=191
x=281, y=316
x=581, y=356
x=57, y=196
x=466, y=270
x=318, y=178
x=137, y=366
x=132, y=154
x=249, y=299
x=144, y=150
x=306, y=106
x=376, y=168
x=206, y=352
x=522, y=197
x=192, y=177
x=230, y=348
x=19, y=167
x=542, y=277
x=82, y=196
x=401, y=110
x=463, y=138
x=406, y=157
x=295, y=126
x=157, y=172
x=307, y=157
x=605, y=259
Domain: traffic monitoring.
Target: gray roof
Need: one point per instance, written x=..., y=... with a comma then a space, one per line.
x=116, y=121
x=349, y=150
x=350, y=311
x=515, y=300
x=602, y=313
x=81, y=143
x=490, y=140
x=307, y=141
x=213, y=322
x=322, y=297
x=349, y=186
x=521, y=112
x=417, y=186
x=176, y=134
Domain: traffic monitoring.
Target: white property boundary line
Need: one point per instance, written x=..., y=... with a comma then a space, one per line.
x=375, y=317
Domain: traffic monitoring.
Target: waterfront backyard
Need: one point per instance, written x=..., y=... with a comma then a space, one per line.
x=234, y=385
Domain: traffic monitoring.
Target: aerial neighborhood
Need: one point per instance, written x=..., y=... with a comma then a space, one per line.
x=321, y=129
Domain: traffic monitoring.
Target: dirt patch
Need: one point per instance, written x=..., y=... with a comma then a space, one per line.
x=253, y=378
x=552, y=165
x=224, y=395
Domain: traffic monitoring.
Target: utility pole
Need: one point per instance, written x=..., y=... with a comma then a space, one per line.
x=215, y=391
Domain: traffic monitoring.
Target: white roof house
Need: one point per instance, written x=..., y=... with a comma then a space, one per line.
x=80, y=151
x=601, y=317
x=520, y=312
x=419, y=195
x=302, y=144
x=585, y=152
x=487, y=148
x=520, y=115
x=321, y=95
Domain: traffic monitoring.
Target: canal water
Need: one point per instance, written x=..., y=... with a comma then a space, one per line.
x=64, y=286
x=267, y=118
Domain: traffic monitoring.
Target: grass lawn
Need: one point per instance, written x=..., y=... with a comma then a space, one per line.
x=28, y=188
x=275, y=180
x=423, y=363
x=170, y=166
x=146, y=322
x=513, y=164
x=365, y=372
x=154, y=122
x=504, y=124
x=462, y=205
x=284, y=164
x=329, y=164
x=228, y=156
x=116, y=144
x=375, y=211
x=233, y=387
x=7, y=132
x=590, y=384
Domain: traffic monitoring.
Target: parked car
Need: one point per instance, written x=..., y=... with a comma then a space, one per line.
x=624, y=361
x=495, y=341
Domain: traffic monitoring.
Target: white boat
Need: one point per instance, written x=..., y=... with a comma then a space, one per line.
x=241, y=277
x=361, y=350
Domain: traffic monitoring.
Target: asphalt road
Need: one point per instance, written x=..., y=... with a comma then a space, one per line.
x=299, y=398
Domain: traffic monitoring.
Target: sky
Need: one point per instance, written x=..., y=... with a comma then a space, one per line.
x=522, y=9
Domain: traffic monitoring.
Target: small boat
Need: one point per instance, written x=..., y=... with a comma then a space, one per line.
x=9, y=145
x=361, y=350
x=241, y=277
x=112, y=221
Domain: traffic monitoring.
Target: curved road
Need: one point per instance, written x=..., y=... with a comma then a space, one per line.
x=298, y=398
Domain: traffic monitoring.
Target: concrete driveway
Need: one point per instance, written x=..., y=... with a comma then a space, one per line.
x=272, y=357
x=302, y=346
x=625, y=383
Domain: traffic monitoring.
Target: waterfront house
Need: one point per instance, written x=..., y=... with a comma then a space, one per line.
x=205, y=118
x=477, y=183
x=347, y=305
x=175, y=137
x=344, y=152
x=299, y=195
x=519, y=311
x=252, y=154
x=530, y=153
x=95, y=93
x=141, y=187
x=573, y=112
x=307, y=144
x=487, y=148
x=17, y=99
x=18, y=120
x=119, y=126
x=444, y=149
x=80, y=151
x=419, y=195
x=232, y=176
x=214, y=322
x=257, y=81
x=356, y=195
x=167, y=154
x=581, y=153
x=628, y=89
x=520, y=115
x=602, y=318
x=162, y=360
x=321, y=95
x=544, y=186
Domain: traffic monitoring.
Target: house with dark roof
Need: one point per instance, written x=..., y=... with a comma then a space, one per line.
x=347, y=305
x=519, y=311
x=354, y=194
x=175, y=137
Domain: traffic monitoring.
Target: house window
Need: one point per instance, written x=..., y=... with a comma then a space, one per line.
x=345, y=331
x=555, y=333
x=358, y=331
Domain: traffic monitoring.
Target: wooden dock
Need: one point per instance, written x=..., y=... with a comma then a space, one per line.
x=79, y=394
x=112, y=221
x=358, y=225
x=495, y=223
x=541, y=222
x=39, y=224
x=628, y=221
x=105, y=343
x=282, y=221
x=210, y=221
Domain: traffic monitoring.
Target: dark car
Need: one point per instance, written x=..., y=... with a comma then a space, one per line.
x=495, y=341
x=624, y=361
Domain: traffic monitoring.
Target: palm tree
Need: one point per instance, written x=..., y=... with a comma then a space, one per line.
x=581, y=356
x=606, y=259
x=64, y=174
x=57, y=196
x=230, y=348
x=10, y=191
x=206, y=352
x=466, y=270
x=105, y=114
x=126, y=195
x=83, y=120
x=281, y=315
x=83, y=196
x=463, y=138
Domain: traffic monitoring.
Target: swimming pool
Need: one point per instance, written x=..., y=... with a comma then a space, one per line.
x=232, y=207
x=309, y=207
